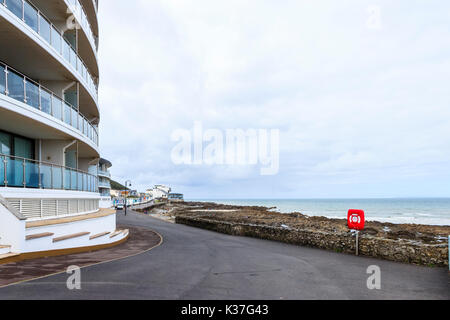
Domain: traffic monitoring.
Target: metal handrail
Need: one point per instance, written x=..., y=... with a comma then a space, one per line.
x=89, y=82
x=46, y=163
x=104, y=184
x=4, y=158
x=104, y=173
x=40, y=87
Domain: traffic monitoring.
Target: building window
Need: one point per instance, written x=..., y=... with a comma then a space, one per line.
x=13, y=145
x=23, y=148
x=5, y=143
x=2, y=80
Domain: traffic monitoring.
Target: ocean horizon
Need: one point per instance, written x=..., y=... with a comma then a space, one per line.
x=429, y=211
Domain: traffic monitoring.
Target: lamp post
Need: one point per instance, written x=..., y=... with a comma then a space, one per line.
x=127, y=183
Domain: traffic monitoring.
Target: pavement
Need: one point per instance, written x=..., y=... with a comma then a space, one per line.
x=139, y=241
x=196, y=264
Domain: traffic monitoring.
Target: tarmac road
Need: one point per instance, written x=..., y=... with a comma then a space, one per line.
x=199, y=264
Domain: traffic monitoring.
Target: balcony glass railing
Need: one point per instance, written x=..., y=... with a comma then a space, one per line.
x=104, y=173
x=77, y=8
x=105, y=193
x=19, y=172
x=23, y=89
x=32, y=17
x=102, y=184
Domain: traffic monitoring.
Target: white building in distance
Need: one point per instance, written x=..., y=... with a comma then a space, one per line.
x=159, y=192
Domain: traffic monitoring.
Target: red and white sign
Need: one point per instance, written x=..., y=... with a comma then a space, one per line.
x=356, y=219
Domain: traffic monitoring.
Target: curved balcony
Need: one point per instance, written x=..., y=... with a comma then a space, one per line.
x=105, y=174
x=42, y=26
x=87, y=39
x=80, y=14
x=104, y=185
x=91, y=10
x=16, y=172
x=23, y=89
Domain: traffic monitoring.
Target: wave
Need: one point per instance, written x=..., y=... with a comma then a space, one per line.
x=399, y=211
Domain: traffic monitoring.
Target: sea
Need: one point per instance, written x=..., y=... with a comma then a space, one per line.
x=429, y=211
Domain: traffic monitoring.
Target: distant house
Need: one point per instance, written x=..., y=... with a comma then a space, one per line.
x=176, y=197
x=159, y=192
x=133, y=193
x=166, y=190
x=115, y=193
x=128, y=193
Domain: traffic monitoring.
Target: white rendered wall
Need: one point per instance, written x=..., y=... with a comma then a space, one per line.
x=85, y=163
x=94, y=226
x=52, y=151
x=105, y=203
x=157, y=193
x=57, y=86
x=12, y=230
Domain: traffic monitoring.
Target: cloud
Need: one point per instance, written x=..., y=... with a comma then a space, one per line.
x=355, y=106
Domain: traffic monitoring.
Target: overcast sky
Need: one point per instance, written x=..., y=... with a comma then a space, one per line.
x=359, y=91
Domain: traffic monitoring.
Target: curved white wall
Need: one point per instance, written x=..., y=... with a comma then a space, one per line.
x=105, y=203
x=94, y=226
x=12, y=230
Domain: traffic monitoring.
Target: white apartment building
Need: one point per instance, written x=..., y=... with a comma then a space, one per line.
x=159, y=192
x=50, y=194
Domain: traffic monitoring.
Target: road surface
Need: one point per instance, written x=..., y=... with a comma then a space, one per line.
x=199, y=264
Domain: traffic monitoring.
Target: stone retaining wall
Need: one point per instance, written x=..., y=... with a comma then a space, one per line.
x=146, y=207
x=406, y=251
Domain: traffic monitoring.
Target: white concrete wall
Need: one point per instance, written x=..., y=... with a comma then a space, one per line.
x=52, y=151
x=105, y=203
x=94, y=226
x=157, y=193
x=84, y=164
x=12, y=230
x=163, y=188
x=57, y=86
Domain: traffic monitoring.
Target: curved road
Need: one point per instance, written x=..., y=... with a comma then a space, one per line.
x=198, y=264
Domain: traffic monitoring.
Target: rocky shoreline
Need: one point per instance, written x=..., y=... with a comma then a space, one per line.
x=410, y=243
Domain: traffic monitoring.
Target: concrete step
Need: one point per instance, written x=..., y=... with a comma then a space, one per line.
x=117, y=232
x=7, y=255
x=4, y=249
